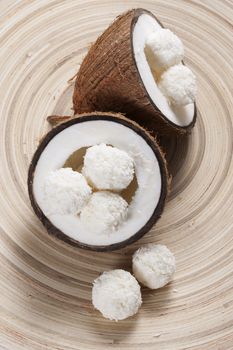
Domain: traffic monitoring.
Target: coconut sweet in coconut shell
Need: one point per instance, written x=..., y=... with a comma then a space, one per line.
x=141, y=202
x=116, y=76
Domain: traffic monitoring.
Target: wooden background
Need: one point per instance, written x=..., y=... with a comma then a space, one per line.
x=45, y=286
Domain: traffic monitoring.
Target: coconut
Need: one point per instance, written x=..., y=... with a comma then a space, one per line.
x=65, y=146
x=116, y=76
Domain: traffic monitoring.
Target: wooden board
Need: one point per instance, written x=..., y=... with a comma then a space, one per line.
x=45, y=286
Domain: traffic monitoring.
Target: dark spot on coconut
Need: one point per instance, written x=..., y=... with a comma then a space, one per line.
x=75, y=160
x=130, y=191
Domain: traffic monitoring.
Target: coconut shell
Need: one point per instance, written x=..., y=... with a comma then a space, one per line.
x=57, y=119
x=108, y=79
x=118, y=118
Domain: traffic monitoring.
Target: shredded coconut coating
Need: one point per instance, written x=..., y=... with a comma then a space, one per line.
x=104, y=212
x=178, y=84
x=108, y=168
x=164, y=49
x=153, y=265
x=116, y=294
x=65, y=192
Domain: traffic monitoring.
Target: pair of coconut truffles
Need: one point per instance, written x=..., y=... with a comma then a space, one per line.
x=165, y=52
x=117, y=294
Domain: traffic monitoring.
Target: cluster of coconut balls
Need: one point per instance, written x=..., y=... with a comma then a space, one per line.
x=165, y=52
x=94, y=193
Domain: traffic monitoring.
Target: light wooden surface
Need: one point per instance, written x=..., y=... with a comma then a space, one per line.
x=45, y=287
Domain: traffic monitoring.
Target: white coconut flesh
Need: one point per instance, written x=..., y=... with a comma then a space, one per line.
x=147, y=171
x=179, y=115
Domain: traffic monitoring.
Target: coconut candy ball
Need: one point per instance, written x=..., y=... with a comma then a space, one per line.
x=178, y=84
x=65, y=192
x=108, y=168
x=116, y=294
x=153, y=265
x=104, y=212
x=164, y=49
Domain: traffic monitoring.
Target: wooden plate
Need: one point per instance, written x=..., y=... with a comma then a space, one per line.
x=45, y=286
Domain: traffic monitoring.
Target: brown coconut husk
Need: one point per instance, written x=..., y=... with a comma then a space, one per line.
x=108, y=79
x=54, y=120
x=118, y=118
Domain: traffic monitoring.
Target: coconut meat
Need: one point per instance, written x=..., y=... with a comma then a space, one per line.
x=179, y=115
x=147, y=170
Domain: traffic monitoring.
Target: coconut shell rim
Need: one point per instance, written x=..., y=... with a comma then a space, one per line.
x=115, y=117
x=137, y=13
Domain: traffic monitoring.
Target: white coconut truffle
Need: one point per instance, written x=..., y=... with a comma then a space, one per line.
x=108, y=168
x=154, y=265
x=164, y=49
x=104, y=212
x=116, y=294
x=178, y=84
x=65, y=192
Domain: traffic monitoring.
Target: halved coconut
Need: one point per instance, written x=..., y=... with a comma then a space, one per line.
x=116, y=76
x=66, y=145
